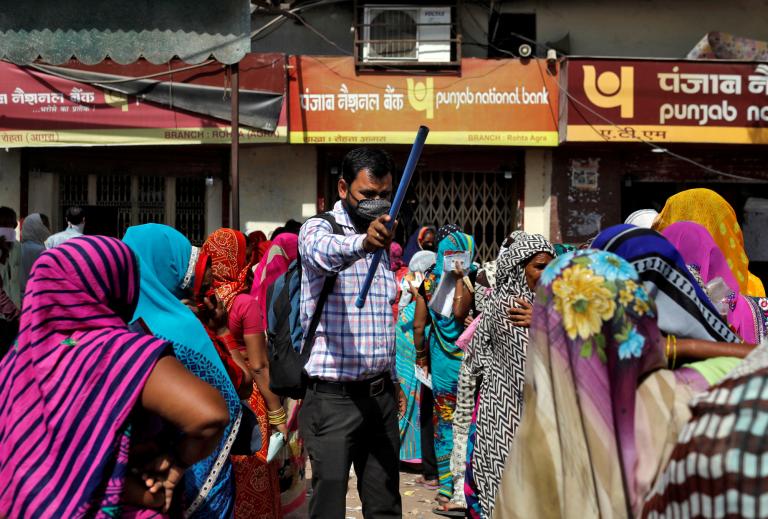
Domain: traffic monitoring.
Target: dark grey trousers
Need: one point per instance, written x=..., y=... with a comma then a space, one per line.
x=341, y=430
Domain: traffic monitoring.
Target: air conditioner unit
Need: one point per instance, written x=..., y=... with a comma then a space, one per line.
x=418, y=34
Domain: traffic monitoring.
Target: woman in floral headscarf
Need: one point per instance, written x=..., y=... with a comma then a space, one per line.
x=601, y=414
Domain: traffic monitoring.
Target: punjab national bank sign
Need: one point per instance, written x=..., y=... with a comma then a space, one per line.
x=491, y=102
x=666, y=101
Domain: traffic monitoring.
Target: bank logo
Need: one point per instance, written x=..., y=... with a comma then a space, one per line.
x=116, y=100
x=421, y=96
x=609, y=90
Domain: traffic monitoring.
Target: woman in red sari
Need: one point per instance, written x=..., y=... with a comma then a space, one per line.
x=256, y=483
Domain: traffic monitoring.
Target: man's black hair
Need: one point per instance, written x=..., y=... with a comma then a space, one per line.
x=75, y=215
x=8, y=217
x=377, y=162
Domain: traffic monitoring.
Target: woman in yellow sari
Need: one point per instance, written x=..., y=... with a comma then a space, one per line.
x=707, y=208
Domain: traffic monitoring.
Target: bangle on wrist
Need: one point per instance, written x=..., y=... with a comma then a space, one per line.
x=277, y=417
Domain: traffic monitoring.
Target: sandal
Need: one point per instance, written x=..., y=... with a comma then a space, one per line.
x=429, y=484
x=447, y=511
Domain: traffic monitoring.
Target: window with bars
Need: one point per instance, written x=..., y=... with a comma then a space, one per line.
x=484, y=204
x=190, y=208
x=124, y=200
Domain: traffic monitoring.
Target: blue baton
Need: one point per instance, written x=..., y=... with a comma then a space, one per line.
x=410, y=167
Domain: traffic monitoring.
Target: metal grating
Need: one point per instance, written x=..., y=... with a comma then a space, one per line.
x=483, y=204
x=151, y=197
x=73, y=190
x=113, y=190
x=190, y=208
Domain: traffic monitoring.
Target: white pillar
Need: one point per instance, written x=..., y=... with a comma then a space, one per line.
x=538, y=190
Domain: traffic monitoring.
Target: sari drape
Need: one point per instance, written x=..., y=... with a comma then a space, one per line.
x=601, y=413
x=498, y=355
x=444, y=356
x=67, y=389
x=168, y=262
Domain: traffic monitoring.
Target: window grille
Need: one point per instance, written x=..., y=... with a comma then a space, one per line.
x=190, y=208
x=482, y=203
x=151, y=197
x=73, y=191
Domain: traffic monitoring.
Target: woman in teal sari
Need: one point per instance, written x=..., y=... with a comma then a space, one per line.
x=410, y=432
x=438, y=349
x=167, y=265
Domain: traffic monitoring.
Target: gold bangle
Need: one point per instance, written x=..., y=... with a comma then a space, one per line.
x=457, y=298
x=277, y=417
x=669, y=342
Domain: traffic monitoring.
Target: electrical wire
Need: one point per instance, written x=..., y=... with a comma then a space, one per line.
x=168, y=72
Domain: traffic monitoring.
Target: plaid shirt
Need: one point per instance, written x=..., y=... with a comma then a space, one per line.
x=350, y=343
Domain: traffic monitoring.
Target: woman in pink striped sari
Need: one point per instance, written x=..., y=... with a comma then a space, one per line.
x=73, y=388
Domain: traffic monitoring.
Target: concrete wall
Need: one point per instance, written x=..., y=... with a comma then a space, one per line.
x=10, y=179
x=277, y=183
x=653, y=28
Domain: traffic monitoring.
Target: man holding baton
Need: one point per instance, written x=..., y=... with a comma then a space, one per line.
x=350, y=412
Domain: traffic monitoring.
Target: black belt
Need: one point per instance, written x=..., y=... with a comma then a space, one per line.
x=357, y=388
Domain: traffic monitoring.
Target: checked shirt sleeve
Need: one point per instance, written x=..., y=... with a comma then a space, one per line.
x=325, y=252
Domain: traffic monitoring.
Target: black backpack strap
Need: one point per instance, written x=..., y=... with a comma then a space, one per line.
x=328, y=284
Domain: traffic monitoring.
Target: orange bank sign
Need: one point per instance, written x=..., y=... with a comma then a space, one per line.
x=666, y=101
x=491, y=102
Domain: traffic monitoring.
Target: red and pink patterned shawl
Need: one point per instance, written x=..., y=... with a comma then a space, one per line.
x=69, y=385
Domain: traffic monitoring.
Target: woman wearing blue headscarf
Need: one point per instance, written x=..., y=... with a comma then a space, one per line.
x=167, y=264
x=440, y=344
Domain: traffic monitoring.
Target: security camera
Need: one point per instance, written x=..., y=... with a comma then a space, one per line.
x=525, y=51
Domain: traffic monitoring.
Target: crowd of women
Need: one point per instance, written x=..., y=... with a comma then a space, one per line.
x=138, y=384
x=605, y=379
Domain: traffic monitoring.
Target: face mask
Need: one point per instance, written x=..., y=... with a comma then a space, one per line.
x=366, y=211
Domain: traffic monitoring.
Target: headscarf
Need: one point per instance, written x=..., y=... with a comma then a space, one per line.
x=746, y=314
x=593, y=340
x=167, y=261
x=284, y=250
x=447, y=329
x=643, y=218
x=445, y=231
x=413, y=245
x=226, y=249
x=420, y=262
x=498, y=354
x=68, y=388
x=33, y=236
x=563, y=248
x=717, y=467
x=684, y=309
x=256, y=239
x=396, y=257
x=707, y=208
